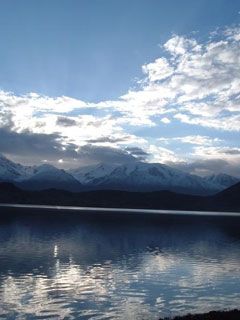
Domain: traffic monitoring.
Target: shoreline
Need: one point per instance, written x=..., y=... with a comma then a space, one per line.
x=121, y=210
x=212, y=315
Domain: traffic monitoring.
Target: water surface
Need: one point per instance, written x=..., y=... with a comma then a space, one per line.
x=96, y=267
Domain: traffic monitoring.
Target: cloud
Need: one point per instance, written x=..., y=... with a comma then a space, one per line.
x=197, y=82
x=233, y=32
x=165, y=120
x=208, y=166
x=178, y=45
x=227, y=123
x=90, y=154
x=218, y=159
x=158, y=70
x=66, y=122
x=108, y=140
x=6, y=119
x=34, y=147
x=194, y=140
x=138, y=153
x=162, y=155
x=41, y=103
x=191, y=84
x=231, y=151
x=217, y=151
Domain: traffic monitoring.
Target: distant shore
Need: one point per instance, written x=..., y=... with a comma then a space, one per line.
x=226, y=201
x=212, y=315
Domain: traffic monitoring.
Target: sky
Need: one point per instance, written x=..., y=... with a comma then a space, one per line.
x=89, y=81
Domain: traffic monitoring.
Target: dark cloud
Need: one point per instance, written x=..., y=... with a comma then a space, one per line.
x=95, y=123
x=34, y=146
x=231, y=151
x=66, y=122
x=209, y=166
x=107, y=139
x=31, y=148
x=96, y=154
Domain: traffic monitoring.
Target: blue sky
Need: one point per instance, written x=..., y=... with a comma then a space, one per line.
x=94, y=49
x=147, y=73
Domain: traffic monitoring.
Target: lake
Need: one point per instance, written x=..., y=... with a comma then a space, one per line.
x=64, y=265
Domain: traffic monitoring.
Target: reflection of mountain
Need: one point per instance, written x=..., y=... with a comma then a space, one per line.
x=40, y=239
x=227, y=200
x=134, y=176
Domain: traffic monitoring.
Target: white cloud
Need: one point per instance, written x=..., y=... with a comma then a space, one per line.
x=179, y=45
x=162, y=155
x=194, y=140
x=165, y=120
x=233, y=32
x=158, y=70
x=197, y=79
x=227, y=123
x=195, y=83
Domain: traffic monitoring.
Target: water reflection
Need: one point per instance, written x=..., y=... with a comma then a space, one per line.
x=78, y=269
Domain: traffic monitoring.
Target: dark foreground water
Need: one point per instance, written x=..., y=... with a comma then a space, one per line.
x=56, y=266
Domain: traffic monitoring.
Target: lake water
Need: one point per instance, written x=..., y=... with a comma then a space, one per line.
x=66, y=266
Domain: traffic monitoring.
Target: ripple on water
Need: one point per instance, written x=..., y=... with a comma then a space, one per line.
x=116, y=271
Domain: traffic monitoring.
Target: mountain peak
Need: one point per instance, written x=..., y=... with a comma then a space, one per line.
x=46, y=167
x=2, y=156
x=222, y=179
x=142, y=176
x=132, y=176
x=4, y=159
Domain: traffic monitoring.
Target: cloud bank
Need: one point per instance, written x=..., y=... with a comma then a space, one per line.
x=192, y=85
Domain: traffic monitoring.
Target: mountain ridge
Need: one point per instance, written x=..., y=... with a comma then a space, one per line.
x=140, y=176
x=223, y=179
x=227, y=200
x=135, y=176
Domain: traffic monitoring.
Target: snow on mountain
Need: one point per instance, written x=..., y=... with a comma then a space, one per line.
x=37, y=177
x=10, y=171
x=87, y=174
x=47, y=176
x=223, y=180
x=139, y=176
x=134, y=176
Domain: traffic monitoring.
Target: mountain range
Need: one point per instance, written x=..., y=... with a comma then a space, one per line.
x=134, y=176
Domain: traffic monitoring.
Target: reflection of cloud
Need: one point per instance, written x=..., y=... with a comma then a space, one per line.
x=74, y=268
x=147, y=283
x=94, y=287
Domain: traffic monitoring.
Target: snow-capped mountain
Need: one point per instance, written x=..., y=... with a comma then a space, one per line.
x=139, y=176
x=134, y=176
x=87, y=175
x=37, y=177
x=11, y=171
x=223, y=180
x=47, y=176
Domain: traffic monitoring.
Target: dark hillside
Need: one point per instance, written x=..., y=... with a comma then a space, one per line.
x=228, y=200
